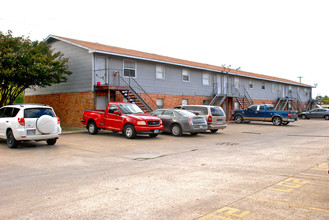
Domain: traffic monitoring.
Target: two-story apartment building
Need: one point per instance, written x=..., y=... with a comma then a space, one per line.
x=104, y=73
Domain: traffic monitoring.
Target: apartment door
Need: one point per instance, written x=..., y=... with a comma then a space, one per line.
x=219, y=84
x=225, y=84
x=100, y=71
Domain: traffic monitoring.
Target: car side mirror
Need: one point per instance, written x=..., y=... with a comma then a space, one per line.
x=116, y=112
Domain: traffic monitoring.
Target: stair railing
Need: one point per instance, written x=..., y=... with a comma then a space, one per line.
x=130, y=80
x=248, y=97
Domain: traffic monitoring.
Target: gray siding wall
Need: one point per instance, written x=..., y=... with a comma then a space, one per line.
x=80, y=63
x=173, y=83
x=282, y=90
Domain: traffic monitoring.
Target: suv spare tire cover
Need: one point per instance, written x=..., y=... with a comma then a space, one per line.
x=46, y=124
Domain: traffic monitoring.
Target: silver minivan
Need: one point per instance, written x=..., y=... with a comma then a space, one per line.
x=214, y=115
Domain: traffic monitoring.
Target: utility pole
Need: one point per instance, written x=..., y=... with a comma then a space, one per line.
x=300, y=78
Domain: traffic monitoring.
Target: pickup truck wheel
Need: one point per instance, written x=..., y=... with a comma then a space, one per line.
x=238, y=119
x=92, y=128
x=129, y=131
x=11, y=141
x=326, y=117
x=277, y=121
x=176, y=130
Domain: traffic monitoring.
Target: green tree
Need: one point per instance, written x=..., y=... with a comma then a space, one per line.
x=325, y=99
x=27, y=64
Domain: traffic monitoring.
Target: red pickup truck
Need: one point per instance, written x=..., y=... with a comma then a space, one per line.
x=125, y=117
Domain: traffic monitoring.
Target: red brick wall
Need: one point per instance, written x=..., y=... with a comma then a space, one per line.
x=69, y=107
x=170, y=101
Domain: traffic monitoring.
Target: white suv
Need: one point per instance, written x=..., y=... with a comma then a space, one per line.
x=26, y=122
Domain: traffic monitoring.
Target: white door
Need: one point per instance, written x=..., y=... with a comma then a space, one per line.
x=225, y=84
x=219, y=84
x=101, y=102
x=100, y=71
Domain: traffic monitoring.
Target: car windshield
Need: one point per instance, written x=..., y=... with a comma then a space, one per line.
x=186, y=113
x=38, y=112
x=215, y=111
x=130, y=109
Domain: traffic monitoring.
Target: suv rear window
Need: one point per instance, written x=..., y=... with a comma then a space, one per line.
x=38, y=112
x=215, y=111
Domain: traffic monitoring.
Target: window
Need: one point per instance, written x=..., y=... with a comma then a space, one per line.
x=113, y=108
x=274, y=87
x=185, y=75
x=206, y=79
x=198, y=110
x=251, y=84
x=261, y=108
x=263, y=85
x=157, y=112
x=216, y=111
x=184, y=101
x=38, y=112
x=253, y=107
x=168, y=113
x=9, y=112
x=290, y=89
x=129, y=67
x=236, y=82
x=160, y=71
x=160, y=103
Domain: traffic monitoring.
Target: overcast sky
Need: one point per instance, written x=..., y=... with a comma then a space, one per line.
x=282, y=38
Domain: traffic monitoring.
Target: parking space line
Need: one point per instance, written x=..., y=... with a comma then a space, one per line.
x=17, y=153
x=289, y=204
x=226, y=213
x=288, y=185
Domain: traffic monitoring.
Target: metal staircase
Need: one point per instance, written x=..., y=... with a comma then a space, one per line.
x=217, y=97
x=133, y=97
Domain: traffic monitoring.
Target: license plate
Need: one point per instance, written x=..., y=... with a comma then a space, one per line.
x=156, y=131
x=219, y=120
x=30, y=132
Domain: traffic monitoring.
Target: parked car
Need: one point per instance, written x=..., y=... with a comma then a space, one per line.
x=316, y=113
x=26, y=122
x=125, y=117
x=178, y=121
x=265, y=113
x=214, y=115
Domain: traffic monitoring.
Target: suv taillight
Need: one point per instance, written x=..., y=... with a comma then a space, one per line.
x=289, y=114
x=58, y=121
x=21, y=121
x=209, y=118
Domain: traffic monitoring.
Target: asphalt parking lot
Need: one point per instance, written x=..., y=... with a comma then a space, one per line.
x=247, y=171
